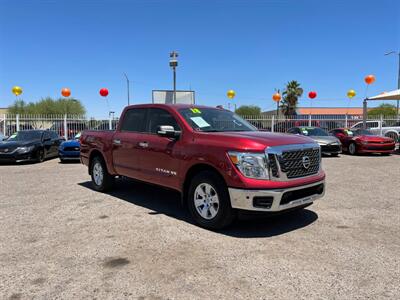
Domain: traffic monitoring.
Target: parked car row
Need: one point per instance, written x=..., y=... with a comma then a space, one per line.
x=38, y=145
x=353, y=141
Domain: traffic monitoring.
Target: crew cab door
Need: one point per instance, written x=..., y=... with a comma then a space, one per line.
x=159, y=157
x=125, y=143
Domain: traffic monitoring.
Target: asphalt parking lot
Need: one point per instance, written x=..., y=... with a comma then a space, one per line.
x=60, y=239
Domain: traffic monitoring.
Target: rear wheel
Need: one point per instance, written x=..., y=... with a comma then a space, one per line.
x=102, y=181
x=209, y=202
x=352, y=149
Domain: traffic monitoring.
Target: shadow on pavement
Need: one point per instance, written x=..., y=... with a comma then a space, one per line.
x=168, y=202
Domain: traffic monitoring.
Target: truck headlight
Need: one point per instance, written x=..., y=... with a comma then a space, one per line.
x=251, y=165
x=25, y=149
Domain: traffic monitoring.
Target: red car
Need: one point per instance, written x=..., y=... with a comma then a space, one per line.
x=363, y=141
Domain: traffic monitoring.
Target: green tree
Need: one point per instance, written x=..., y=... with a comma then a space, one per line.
x=48, y=106
x=383, y=109
x=290, y=98
x=248, y=110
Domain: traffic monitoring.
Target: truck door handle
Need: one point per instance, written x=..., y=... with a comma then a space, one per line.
x=143, y=144
x=117, y=142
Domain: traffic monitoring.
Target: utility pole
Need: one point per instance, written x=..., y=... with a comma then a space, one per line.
x=173, y=63
x=127, y=83
x=398, y=79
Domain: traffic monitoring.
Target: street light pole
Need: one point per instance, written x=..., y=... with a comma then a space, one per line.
x=127, y=82
x=398, y=79
x=173, y=63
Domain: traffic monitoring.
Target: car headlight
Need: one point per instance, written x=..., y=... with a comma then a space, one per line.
x=25, y=149
x=251, y=165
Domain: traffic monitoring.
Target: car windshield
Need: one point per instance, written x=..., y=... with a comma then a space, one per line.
x=312, y=131
x=214, y=120
x=362, y=132
x=25, y=136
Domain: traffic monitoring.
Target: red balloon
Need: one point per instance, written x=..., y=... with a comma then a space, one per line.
x=104, y=92
x=369, y=79
x=312, y=95
x=66, y=92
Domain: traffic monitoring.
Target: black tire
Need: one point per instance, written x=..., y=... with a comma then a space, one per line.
x=103, y=182
x=224, y=214
x=352, y=149
x=41, y=155
x=62, y=160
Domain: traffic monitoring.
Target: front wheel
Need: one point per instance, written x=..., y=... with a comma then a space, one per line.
x=352, y=149
x=41, y=155
x=102, y=181
x=209, y=202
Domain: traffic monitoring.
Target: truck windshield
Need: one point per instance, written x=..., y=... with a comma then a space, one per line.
x=214, y=120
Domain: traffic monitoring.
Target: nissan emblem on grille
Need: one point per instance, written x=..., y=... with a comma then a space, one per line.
x=306, y=162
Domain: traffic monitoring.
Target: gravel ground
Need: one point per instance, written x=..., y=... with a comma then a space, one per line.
x=60, y=239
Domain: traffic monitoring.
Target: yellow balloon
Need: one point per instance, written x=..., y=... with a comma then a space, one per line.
x=231, y=94
x=351, y=93
x=17, y=90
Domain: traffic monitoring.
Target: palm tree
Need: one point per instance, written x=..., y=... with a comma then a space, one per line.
x=291, y=95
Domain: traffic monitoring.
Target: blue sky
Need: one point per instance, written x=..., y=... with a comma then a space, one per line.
x=252, y=47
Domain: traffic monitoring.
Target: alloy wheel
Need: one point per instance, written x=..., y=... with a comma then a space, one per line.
x=98, y=173
x=206, y=201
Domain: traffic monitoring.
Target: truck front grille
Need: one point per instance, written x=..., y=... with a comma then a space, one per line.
x=294, y=161
x=293, y=165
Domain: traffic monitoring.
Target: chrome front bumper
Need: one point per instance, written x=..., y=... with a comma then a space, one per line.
x=245, y=199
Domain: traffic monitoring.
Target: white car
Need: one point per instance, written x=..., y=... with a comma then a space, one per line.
x=375, y=127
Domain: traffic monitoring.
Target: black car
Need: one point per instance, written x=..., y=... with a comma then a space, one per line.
x=30, y=145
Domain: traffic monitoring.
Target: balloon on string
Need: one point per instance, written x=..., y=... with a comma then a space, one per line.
x=66, y=92
x=17, y=90
x=351, y=93
x=312, y=94
x=276, y=97
x=103, y=92
x=369, y=79
x=231, y=94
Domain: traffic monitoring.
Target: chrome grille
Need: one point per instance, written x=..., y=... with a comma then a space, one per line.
x=273, y=165
x=293, y=161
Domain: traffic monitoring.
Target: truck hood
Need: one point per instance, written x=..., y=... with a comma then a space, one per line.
x=252, y=140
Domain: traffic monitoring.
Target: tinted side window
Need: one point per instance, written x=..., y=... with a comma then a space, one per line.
x=157, y=117
x=54, y=135
x=134, y=120
x=46, y=135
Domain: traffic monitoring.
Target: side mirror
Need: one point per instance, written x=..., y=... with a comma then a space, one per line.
x=168, y=131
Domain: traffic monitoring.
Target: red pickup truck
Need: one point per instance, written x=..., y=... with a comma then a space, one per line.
x=218, y=162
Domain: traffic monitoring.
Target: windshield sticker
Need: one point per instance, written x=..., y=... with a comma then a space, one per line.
x=305, y=132
x=195, y=110
x=349, y=132
x=13, y=135
x=199, y=121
